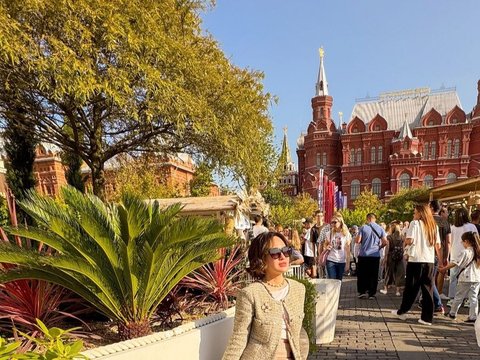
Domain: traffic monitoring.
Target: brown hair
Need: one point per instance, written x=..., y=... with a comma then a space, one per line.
x=474, y=240
x=295, y=240
x=429, y=222
x=258, y=250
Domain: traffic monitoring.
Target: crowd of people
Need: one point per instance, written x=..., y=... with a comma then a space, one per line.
x=413, y=258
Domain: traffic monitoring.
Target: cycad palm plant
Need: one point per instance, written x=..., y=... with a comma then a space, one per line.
x=123, y=258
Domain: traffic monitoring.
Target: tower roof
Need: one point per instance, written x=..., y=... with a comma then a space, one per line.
x=322, y=84
x=405, y=131
x=285, y=156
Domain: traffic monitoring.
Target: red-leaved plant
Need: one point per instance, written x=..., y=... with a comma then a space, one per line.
x=22, y=302
x=218, y=281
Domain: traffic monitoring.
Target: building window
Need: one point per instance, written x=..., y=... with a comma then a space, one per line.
x=324, y=159
x=373, y=152
x=430, y=123
x=425, y=151
x=377, y=127
x=428, y=181
x=359, y=157
x=404, y=181
x=319, y=159
x=377, y=187
x=449, y=149
x=352, y=157
x=456, y=148
x=405, y=145
x=433, y=150
x=380, y=154
x=454, y=121
x=355, y=189
x=451, y=178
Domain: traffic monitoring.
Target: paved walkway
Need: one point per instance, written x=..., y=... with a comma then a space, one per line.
x=366, y=329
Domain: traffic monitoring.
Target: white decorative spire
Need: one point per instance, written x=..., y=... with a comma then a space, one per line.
x=322, y=84
x=405, y=131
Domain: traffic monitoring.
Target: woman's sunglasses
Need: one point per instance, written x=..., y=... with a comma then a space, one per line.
x=275, y=252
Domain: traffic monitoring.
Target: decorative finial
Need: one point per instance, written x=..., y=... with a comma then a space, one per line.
x=340, y=114
x=284, y=130
x=321, y=52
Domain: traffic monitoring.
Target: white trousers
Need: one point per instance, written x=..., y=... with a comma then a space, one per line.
x=465, y=289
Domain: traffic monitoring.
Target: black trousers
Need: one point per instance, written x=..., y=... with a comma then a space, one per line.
x=367, y=274
x=419, y=276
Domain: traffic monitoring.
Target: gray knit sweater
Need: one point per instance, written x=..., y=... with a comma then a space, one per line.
x=258, y=323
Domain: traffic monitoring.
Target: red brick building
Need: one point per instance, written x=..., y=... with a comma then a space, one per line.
x=398, y=140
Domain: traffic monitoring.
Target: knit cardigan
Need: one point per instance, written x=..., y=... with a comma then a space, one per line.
x=258, y=323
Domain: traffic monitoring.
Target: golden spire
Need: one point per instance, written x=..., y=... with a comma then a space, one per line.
x=321, y=52
x=285, y=130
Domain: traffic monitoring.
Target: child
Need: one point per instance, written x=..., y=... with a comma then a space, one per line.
x=468, y=276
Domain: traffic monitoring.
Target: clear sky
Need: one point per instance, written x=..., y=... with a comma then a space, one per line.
x=371, y=46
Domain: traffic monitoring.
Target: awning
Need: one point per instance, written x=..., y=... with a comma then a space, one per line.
x=457, y=190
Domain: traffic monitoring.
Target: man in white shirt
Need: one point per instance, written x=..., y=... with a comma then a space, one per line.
x=258, y=228
x=309, y=248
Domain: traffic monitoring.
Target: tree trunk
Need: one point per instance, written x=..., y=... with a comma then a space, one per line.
x=98, y=180
x=132, y=330
x=96, y=155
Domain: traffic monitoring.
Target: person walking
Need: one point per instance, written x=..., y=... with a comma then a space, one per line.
x=338, y=245
x=395, y=267
x=371, y=238
x=461, y=224
x=468, y=276
x=269, y=312
x=423, y=240
x=309, y=248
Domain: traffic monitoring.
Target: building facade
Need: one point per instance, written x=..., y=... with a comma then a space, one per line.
x=398, y=140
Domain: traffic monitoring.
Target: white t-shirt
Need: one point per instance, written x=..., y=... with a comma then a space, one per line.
x=258, y=229
x=471, y=272
x=309, y=246
x=423, y=253
x=457, y=246
x=280, y=295
x=339, y=242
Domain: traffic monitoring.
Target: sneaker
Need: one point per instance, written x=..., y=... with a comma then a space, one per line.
x=439, y=310
x=420, y=321
x=450, y=302
x=372, y=297
x=453, y=317
x=401, y=317
x=383, y=291
x=444, y=297
x=466, y=303
x=470, y=320
x=362, y=296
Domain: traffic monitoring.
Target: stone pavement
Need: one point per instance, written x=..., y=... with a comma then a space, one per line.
x=366, y=329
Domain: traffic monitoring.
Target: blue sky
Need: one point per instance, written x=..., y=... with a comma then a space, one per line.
x=371, y=46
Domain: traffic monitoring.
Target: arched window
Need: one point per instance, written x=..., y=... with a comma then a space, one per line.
x=451, y=177
x=428, y=181
x=377, y=187
x=324, y=159
x=449, y=148
x=373, y=152
x=359, y=157
x=352, y=157
x=425, y=151
x=433, y=150
x=456, y=148
x=380, y=154
x=355, y=189
x=405, y=145
x=319, y=160
x=404, y=181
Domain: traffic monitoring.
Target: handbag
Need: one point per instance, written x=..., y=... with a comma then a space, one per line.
x=323, y=257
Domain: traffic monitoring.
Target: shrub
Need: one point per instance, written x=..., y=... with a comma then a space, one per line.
x=309, y=310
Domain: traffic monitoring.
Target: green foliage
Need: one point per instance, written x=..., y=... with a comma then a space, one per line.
x=274, y=196
x=7, y=350
x=4, y=217
x=400, y=206
x=309, y=310
x=283, y=215
x=127, y=76
x=73, y=173
x=123, y=258
x=202, y=180
x=368, y=202
x=287, y=210
x=304, y=205
x=354, y=217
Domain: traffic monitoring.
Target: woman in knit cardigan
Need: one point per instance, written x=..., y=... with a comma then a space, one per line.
x=269, y=312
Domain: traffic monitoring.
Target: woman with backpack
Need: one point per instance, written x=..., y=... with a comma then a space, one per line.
x=395, y=267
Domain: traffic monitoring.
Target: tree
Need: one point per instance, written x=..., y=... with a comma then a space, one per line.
x=354, y=217
x=129, y=76
x=73, y=174
x=400, y=205
x=274, y=196
x=369, y=202
x=283, y=214
x=304, y=205
x=122, y=258
x=201, y=183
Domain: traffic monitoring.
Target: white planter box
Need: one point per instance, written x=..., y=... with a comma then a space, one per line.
x=328, y=295
x=204, y=339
